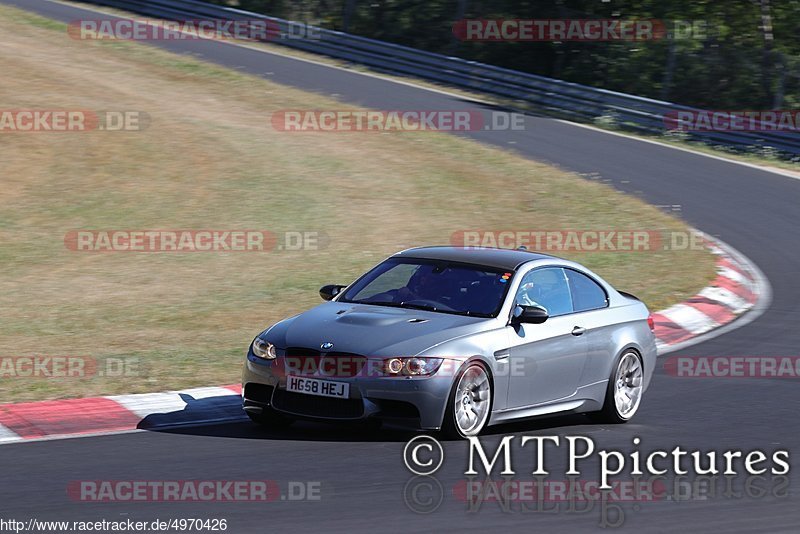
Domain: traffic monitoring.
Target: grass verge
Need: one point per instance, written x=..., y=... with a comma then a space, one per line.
x=210, y=158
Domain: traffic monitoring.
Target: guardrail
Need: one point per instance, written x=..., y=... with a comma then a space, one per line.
x=538, y=93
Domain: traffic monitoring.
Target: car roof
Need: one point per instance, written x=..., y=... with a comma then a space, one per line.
x=499, y=258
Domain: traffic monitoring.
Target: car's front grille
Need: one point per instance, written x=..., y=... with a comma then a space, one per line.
x=314, y=406
x=306, y=362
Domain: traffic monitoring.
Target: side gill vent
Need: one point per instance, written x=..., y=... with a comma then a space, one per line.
x=417, y=320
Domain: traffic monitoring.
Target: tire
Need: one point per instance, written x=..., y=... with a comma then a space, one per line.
x=269, y=418
x=624, y=391
x=469, y=404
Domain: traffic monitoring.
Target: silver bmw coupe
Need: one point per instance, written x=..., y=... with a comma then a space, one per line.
x=456, y=339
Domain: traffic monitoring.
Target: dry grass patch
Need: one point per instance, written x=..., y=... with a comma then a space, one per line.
x=210, y=159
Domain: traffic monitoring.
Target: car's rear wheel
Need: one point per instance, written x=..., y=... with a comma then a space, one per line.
x=270, y=418
x=625, y=388
x=470, y=403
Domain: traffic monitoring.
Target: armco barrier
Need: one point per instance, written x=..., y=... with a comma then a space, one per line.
x=539, y=93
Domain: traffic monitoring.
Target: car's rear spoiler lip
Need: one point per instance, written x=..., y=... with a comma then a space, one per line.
x=629, y=295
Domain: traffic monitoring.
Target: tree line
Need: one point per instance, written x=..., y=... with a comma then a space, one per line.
x=717, y=54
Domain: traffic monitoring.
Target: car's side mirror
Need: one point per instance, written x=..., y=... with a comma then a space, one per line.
x=529, y=314
x=330, y=291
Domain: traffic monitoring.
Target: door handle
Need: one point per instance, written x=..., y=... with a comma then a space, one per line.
x=578, y=330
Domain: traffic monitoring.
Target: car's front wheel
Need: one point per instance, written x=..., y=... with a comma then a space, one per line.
x=625, y=388
x=470, y=403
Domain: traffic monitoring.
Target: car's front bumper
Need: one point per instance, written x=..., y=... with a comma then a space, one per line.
x=415, y=401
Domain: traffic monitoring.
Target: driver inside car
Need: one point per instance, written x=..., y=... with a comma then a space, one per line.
x=547, y=289
x=538, y=289
x=421, y=286
x=526, y=295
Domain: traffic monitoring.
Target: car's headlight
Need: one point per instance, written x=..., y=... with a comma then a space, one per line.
x=412, y=366
x=264, y=349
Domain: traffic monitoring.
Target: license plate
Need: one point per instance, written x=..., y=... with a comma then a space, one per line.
x=314, y=386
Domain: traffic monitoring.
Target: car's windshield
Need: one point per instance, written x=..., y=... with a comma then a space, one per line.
x=432, y=285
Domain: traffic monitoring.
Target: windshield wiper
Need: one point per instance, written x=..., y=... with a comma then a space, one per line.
x=428, y=307
x=411, y=305
x=375, y=303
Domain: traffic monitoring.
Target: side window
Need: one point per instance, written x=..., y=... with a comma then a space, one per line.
x=586, y=293
x=547, y=288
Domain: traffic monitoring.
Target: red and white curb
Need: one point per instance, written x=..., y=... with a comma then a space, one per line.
x=119, y=413
x=738, y=287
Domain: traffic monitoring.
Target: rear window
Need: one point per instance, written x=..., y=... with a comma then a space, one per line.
x=586, y=293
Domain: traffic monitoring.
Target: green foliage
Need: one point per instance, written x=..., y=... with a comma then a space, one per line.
x=734, y=63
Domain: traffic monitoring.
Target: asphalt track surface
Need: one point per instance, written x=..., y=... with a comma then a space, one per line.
x=362, y=475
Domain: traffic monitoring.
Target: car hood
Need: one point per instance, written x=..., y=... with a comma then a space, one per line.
x=379, y=331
